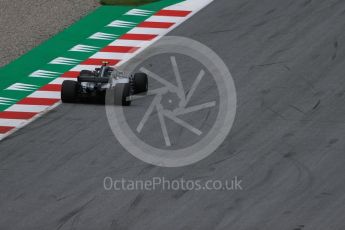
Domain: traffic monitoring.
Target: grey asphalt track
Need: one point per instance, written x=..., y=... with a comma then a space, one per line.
x=287, y=59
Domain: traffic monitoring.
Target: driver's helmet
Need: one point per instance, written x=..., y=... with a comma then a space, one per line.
x=107, y=71
x=117, y=73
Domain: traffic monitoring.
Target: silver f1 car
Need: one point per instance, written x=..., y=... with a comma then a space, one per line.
x=94, y=84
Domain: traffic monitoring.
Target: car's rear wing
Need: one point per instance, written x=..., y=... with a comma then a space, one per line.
x=93, y=79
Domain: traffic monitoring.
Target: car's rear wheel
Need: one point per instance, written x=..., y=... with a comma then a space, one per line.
x=69, y=91
x=121, y=94
x=140, y=83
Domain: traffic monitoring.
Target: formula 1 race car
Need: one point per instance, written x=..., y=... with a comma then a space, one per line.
x=94, y=84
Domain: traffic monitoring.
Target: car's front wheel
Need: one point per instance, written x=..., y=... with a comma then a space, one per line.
x=121, y=94
x=140, y=83
x=69, y=91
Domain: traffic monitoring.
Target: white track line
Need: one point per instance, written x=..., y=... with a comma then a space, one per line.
x=12, y=122
x=165, y=19
x=143, y=30
x=85, y=67
x=27, y=108
x=109, y=55
x=59, y=80
x=134, y=43
x=46, y=94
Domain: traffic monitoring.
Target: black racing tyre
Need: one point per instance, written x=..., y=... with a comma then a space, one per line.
x=122, y=92
x=69, y=91
x=140, y=83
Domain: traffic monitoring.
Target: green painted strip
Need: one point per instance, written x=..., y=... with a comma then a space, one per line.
x=19, y=70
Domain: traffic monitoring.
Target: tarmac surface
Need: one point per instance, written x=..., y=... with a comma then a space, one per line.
x=287, y=144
